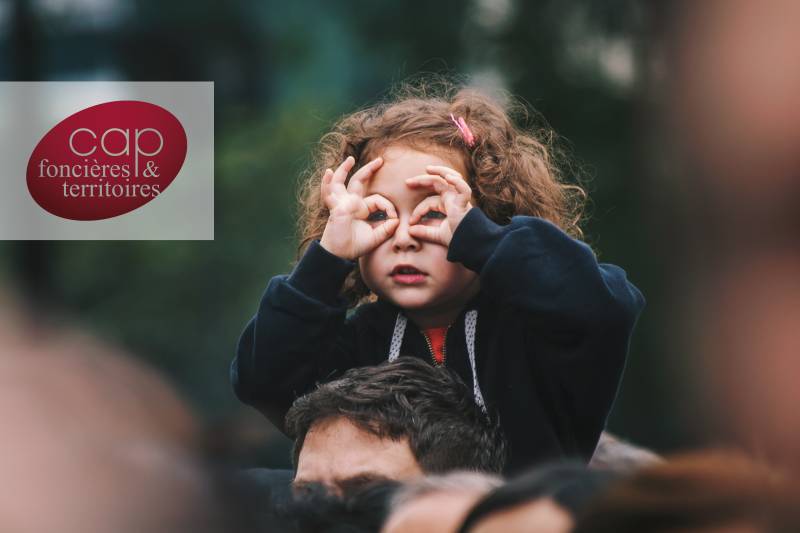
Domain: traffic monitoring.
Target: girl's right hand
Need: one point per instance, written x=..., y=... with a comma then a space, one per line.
x=356, y=225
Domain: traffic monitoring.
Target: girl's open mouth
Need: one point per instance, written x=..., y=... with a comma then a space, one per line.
x=407, y=275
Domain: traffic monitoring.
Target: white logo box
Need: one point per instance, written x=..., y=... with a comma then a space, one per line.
x=185, y=211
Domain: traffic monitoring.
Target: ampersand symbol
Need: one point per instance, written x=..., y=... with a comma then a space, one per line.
x=151, y=170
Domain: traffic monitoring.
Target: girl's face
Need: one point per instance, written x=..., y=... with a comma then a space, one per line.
x=412, y=273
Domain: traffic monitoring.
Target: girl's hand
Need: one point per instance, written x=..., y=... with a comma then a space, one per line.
x=450, y=205
x=356, y=225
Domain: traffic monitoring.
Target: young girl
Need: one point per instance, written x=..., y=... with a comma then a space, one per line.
x=446, y=231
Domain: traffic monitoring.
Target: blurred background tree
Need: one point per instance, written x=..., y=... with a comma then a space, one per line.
x=283, y=71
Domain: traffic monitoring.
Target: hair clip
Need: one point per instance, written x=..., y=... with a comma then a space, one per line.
x=466, y=133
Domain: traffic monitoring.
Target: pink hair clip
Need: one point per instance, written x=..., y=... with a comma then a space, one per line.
x=466, y=133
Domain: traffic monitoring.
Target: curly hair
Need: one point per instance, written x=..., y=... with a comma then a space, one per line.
x=512, y=170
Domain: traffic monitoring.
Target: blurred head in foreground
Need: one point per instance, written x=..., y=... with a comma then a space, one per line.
x=733, y=83
x=617, y=455
x=315, y=509
x=92, y=442
x=438, y=504
x=701, y=492
x=394, y=421
x=545, y=500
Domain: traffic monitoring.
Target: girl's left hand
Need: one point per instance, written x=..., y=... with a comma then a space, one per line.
x=452, y=202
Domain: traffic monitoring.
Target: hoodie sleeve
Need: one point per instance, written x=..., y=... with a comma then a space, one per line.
x=298, y=336
x=578, y=314
x=533, y=265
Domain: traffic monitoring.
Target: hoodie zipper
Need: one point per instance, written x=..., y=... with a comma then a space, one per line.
x=444, y=348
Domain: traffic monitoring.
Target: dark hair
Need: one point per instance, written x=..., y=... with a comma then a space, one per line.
x=407, y=398
x=317, y=510
x=569, y=484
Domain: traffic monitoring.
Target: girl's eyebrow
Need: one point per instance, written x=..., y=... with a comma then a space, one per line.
x=388, y=197
x=391, y=200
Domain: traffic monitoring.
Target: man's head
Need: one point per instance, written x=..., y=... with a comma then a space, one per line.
x=393, y=421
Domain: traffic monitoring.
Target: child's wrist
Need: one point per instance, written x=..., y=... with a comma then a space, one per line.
x=331, y=248
x=456, y=222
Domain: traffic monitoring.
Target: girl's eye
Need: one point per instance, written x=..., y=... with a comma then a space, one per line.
x=377, y=216
x=435, y=215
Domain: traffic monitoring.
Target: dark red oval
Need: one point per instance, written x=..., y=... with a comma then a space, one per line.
x=78, y=170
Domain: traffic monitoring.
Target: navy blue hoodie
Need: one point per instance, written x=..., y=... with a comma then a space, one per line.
x=543, y=343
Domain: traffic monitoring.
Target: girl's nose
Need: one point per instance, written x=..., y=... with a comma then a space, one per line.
x=402, y=239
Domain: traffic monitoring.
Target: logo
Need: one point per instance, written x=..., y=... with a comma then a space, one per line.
x=106, y=160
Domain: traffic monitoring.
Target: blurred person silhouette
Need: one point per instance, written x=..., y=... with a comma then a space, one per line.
x=720, y=491
x=546, y=499
x=437, y=504
x=618, y=455
x=93, y=441
x=360, y=508
x=261, y=493
x=733, y=102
